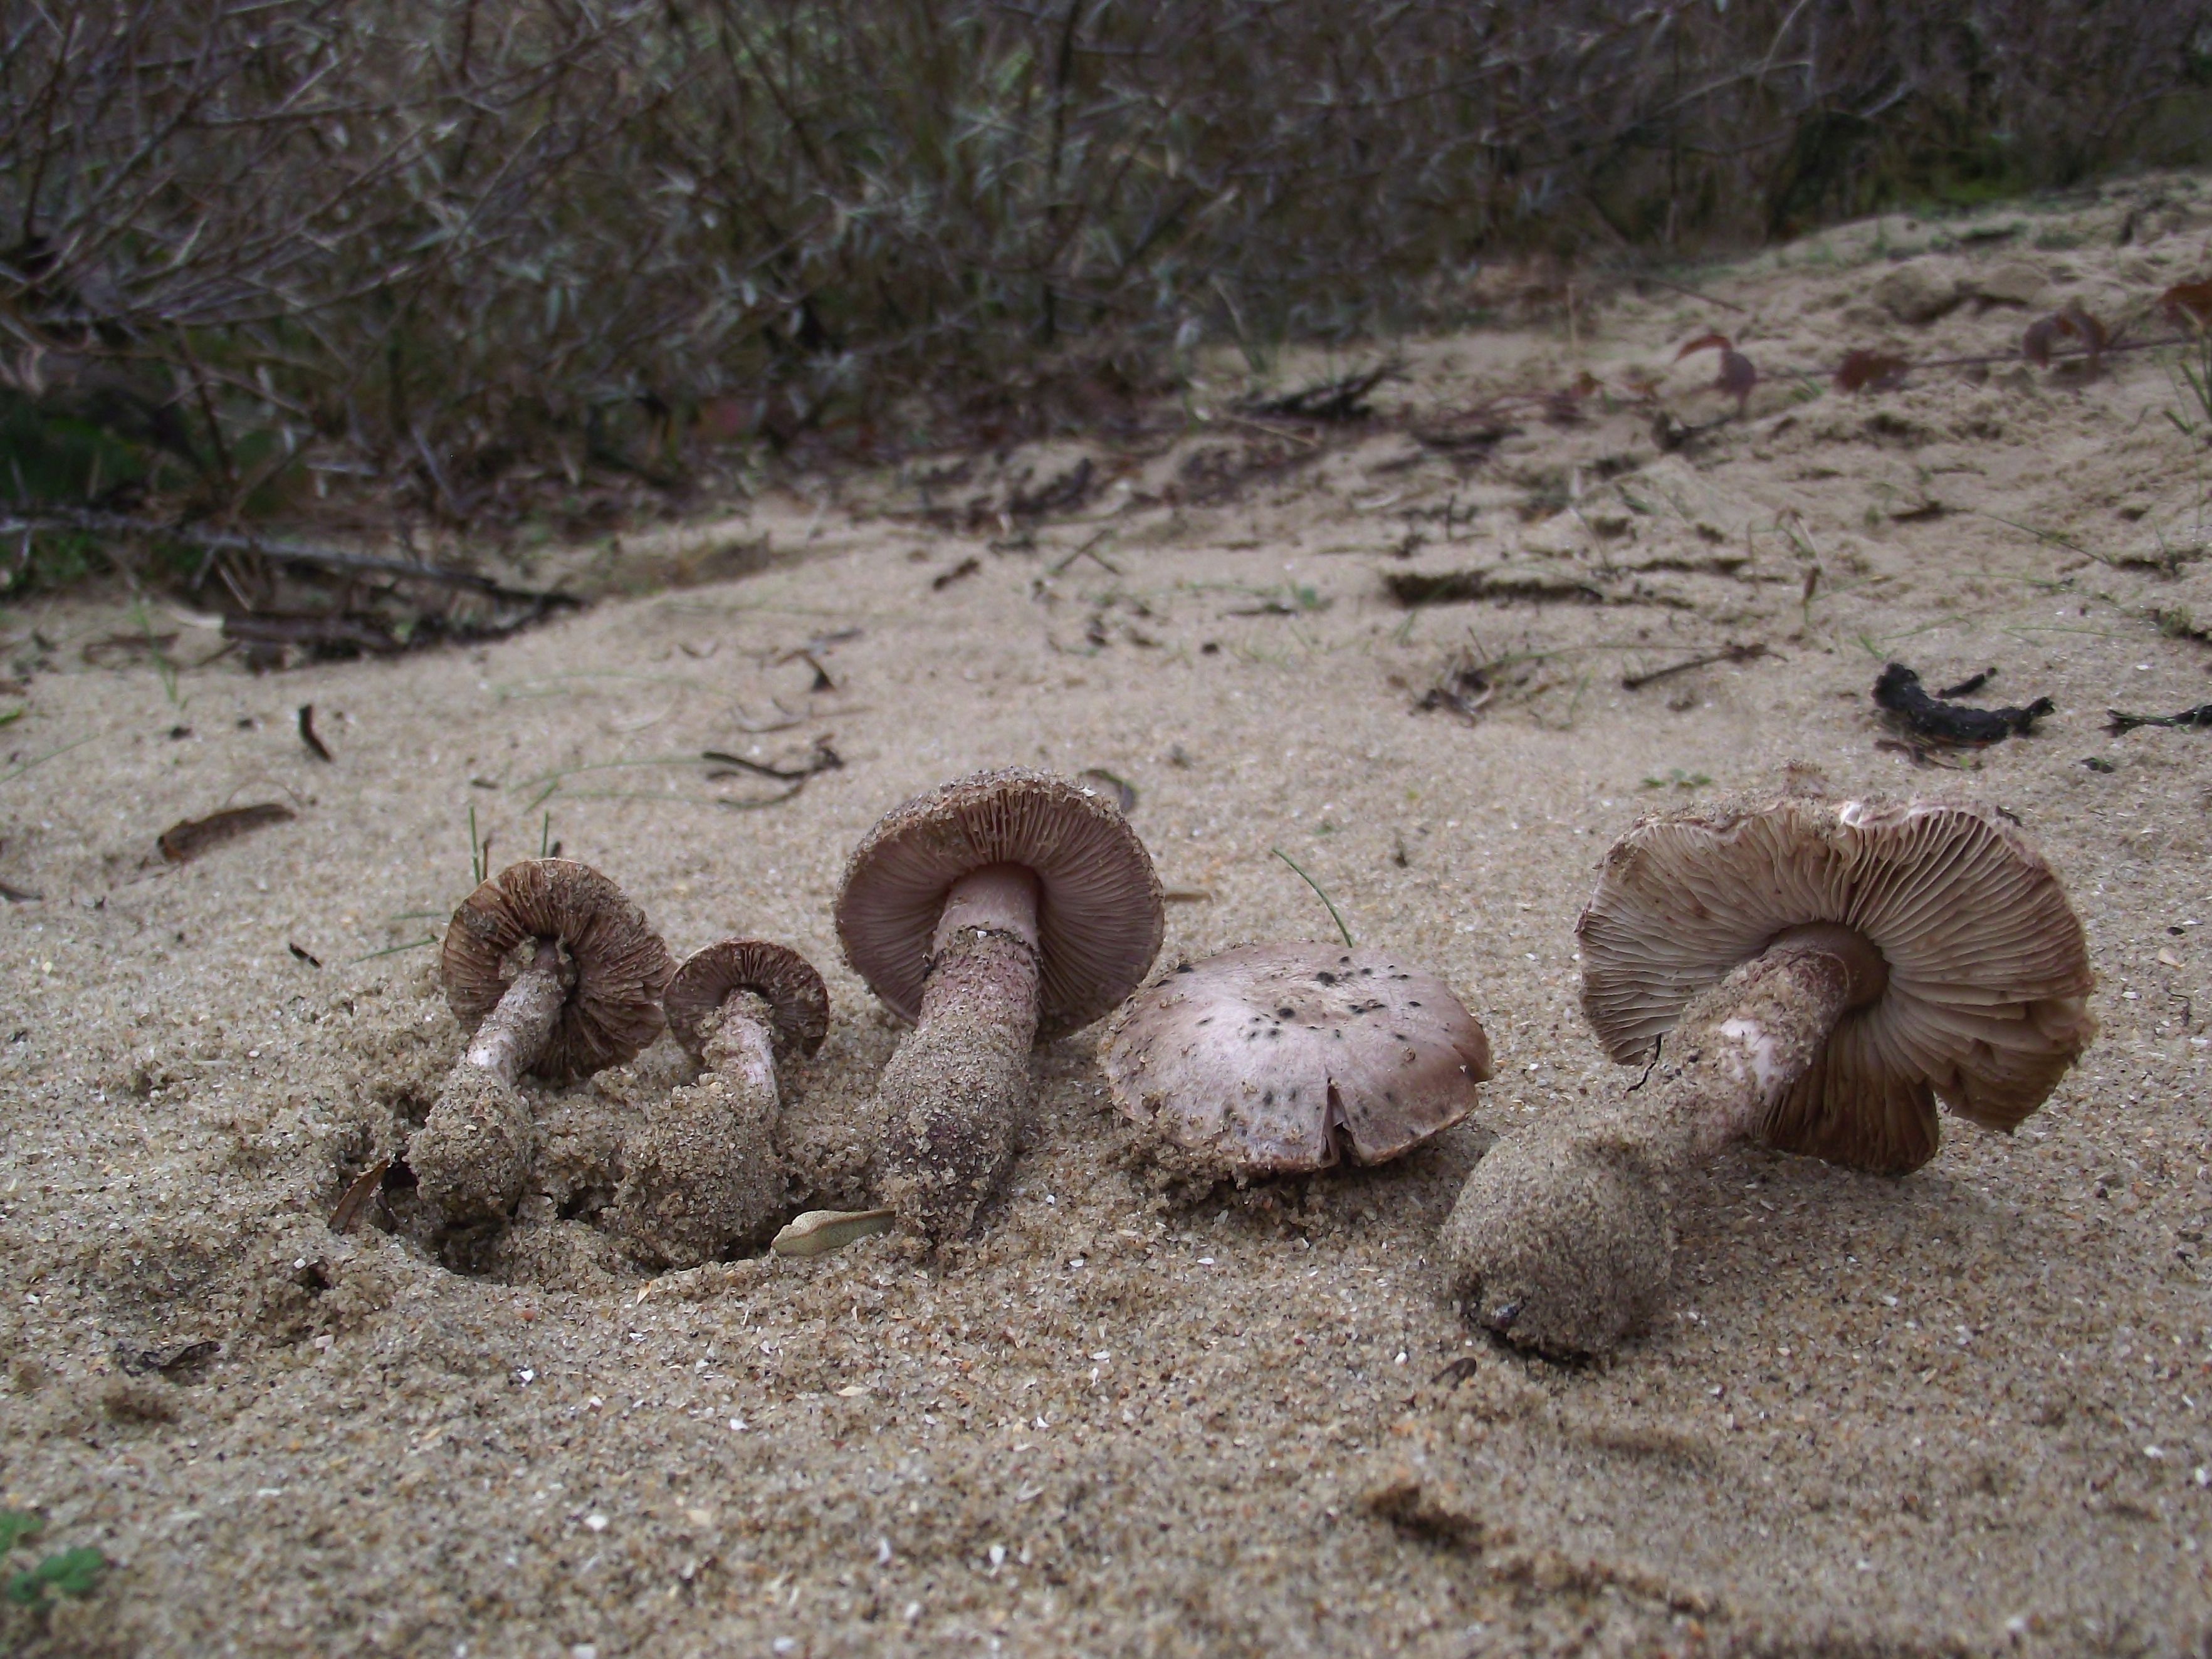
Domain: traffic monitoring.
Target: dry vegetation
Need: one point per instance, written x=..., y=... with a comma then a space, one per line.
x=450, y=259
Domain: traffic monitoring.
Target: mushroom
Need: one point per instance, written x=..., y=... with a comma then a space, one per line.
x=1277, y=1059
x=1807, y=975
x=995, y=912
x=554, y=972
x=701, y=1174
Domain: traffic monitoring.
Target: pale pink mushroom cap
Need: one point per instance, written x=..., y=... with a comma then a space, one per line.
x=1988, y=969
x=1273, y=1059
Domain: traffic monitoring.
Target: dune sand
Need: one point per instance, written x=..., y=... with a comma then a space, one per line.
x=1969, y=1411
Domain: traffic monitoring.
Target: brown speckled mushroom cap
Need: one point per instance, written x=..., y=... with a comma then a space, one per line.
x=612, y=1011
x=1099, y=909
x=1278, y=1058
x=1987, y=965
x=786, y=980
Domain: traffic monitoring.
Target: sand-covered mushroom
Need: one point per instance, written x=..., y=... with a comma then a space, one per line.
x=1276, y=1059
x=1808, y=974
x=995, y=912
x=701, y=1174
x=554, y=972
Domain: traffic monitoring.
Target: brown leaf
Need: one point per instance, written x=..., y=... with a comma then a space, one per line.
x=357, y=1195
x=2188, y=304
x=2035, y=345
x=1875, y=371
x=1720, y=342
x=182, y=842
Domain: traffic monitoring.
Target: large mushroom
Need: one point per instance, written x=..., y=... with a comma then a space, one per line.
x=1807, y=974
x=554, y=972
x=702, y=1173
x=1279, y=1058
x=995, y=912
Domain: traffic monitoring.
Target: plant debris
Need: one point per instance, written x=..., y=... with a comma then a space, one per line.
x=1123, y=792
x=1899, y=692
x=303, y=954
x=182, y=842
x=1751, y=652
x=2198, y=719
x=1968, y=686
x=315, y=745
x=1871, y=371
x=20, y=894
x=1332, y=401
x=2072, y=322
x=1738, y=376
x=818, y=1232
x=363, y=1186
x=945, y=579
x=820, y=758
x=1418, y=587
x=181, y=1360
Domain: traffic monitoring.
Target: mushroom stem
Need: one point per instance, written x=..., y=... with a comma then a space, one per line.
x=953, y=1094
x=472, y=1153
x=1563, y=1236
x=701, y=1174
x=514, y=1033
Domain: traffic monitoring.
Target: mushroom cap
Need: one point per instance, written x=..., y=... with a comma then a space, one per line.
x=782, y=977
x=612, y=1012
x=1099, y=909
x=1270, y=1059
x=1988, y=967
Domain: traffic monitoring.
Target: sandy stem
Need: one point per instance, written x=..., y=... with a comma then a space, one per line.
x=701, y=1174
x=515, y=1032
x=1563, y=1236
x=741, y=1052
x=953, y=1094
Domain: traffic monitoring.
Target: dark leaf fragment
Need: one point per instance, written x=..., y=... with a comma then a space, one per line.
x=2198, y=719
x=307, y=732
x=1898, y=691
x=181, y=842
x=364, y=1186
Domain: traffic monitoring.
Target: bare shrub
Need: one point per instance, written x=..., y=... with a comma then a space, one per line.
x=458, y=247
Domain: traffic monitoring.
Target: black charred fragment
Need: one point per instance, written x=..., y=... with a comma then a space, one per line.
x=1900, y=693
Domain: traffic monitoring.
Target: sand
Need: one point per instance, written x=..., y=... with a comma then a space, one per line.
x=1963, y=1412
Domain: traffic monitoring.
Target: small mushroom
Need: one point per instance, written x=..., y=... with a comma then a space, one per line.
x=1274, y=1059
x=702, y=1173
x=1811, y=976
x=995, y=912
x=554, y=972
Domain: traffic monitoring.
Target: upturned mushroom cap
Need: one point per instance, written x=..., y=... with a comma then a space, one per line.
x=1271, y=1059
x=612, y=1012
x=1099, y=909
x=1987, y=965
x=779, y=976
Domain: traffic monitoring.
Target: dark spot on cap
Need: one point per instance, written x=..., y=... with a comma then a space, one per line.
x=1325, y=977
x=1286, y=1013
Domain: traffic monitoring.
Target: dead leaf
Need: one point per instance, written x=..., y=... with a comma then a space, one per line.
x=182, y=842
x=356, y=1196
x=1871, y=371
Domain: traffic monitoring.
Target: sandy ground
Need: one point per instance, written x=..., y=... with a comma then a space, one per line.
x=1963, y=1412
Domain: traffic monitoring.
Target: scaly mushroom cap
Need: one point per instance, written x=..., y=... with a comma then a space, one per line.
x=1099, y=909
x=612, y=1012
x=1276, y=1058
x=780, y=976
x=1988, y=968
